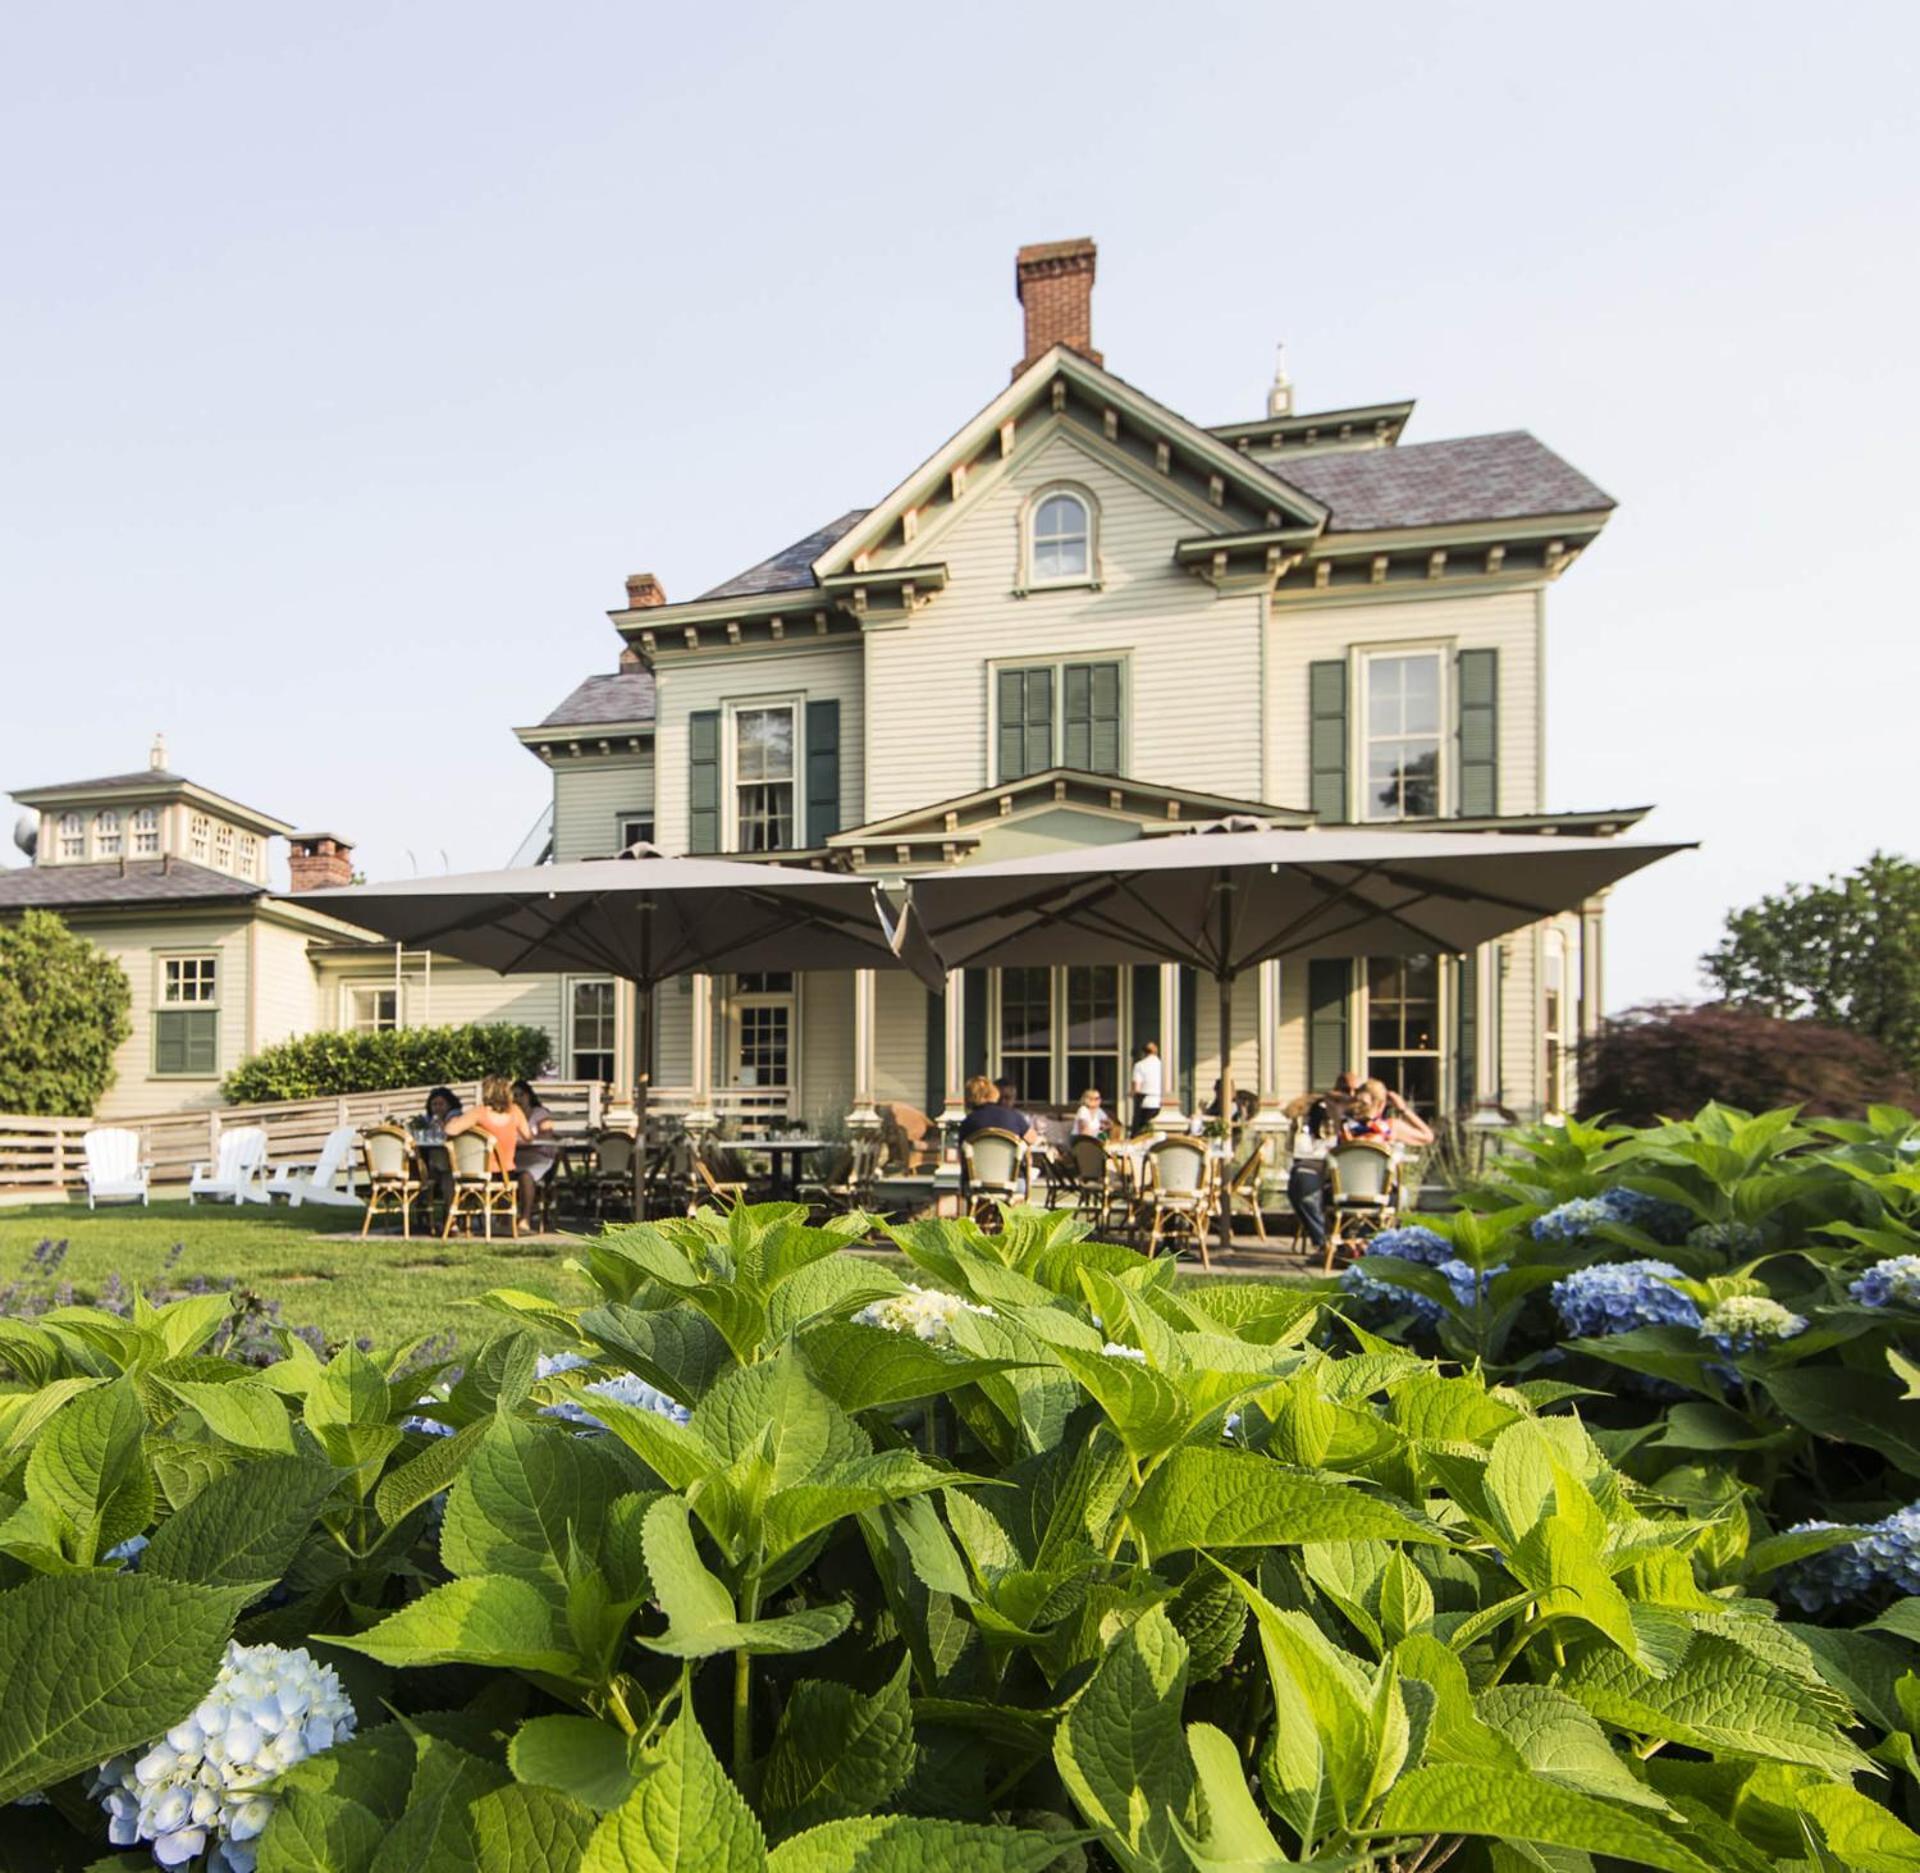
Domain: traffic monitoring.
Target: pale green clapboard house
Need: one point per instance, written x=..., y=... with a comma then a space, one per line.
x=1082, y=619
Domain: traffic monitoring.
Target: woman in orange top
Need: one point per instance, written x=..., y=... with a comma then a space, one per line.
x=497, y=1116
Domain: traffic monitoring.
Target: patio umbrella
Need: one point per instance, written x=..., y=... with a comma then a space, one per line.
x=640, y=916
x=1225, y=898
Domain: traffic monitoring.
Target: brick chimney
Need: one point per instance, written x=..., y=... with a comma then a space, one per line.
x=643, y=589
x=317, y=860
x=1055, y=283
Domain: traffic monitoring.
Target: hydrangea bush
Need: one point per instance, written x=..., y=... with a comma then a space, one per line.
x=767, y=1560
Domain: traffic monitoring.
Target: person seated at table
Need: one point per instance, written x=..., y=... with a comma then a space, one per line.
x=534, y=1161
x=988, y=1110
x=1316, y=1124
x=1245, y=1105
x=497, y=1116
x=1092, y=1120
x=1378, y=1113
x=442, y=1104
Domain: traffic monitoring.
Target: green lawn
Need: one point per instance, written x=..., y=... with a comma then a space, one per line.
x=384, y=1288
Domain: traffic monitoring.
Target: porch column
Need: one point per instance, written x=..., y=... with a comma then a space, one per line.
x=864, y=1117
x=1269, y=1117
x=1487, y=1077
x=1171, y=1118
x=1592, y=965
x=955, y=1108
x=700, y=1113
x=626, y=1050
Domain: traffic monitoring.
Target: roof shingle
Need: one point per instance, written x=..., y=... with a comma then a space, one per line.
x=790, y=569
x=1507, y=476
x=148, y=881
x=627, y=696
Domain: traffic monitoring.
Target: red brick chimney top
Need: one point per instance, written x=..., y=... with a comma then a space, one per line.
x=644, y=589
x=1054, y=281
x=318, y=860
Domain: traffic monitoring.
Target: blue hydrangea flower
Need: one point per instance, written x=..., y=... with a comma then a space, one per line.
x=202, y=1787
x=1652, y=1216
x=1411, y=1243
x=625, y=1388
x=1371, y=1291
x=1893, y=1282
x=1746, y=1321
x=1467, y=1282
x=1734, y=1241
x=1576, y=1220
x=1616, y=1297
x=1885, y=1555
x=127, y=1553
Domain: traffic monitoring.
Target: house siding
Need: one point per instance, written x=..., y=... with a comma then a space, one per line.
x=590, y=794
x=1191, y=713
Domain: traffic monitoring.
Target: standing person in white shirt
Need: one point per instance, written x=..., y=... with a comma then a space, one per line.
x=1148, y=1080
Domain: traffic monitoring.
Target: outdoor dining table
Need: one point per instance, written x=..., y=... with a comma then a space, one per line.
x=791, y=1149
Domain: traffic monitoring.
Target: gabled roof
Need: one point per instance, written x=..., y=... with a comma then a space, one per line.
x=139, y=881
x=1507, y=476
x=790, y=569
x=626, y=697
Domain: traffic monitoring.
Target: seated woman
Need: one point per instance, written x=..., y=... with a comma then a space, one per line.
x=534, y=1161
x=989, y=1110
x=1092, y=1120
x=429, y=1128
x=1376, y=1112
x=498, y=1117
x=442, y=1104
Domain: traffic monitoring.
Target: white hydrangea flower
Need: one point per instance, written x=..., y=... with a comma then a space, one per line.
x=927, y=1313
x=199, y=1789
x=1114, y=1350
x=1744, y=1321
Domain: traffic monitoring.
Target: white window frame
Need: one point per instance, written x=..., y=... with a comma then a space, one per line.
x=225, y=844
x=109, y=835
x=200, y=838
x=795, y=703
x=1059, y=1049
x=70, y=837
x=735, y=1004
x=144, y=833
x=247, y=855
x=1360, y=1023
x=1030, y=580
x=1359, y=739
x=570, y=987
x=164, y=1003
x=353, y=987
x=633, y=816
x=1058, y=744
x=1557, y=1086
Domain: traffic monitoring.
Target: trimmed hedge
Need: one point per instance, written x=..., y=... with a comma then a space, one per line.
x=315, y=1066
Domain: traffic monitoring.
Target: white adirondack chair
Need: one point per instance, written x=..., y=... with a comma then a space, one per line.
x=327, y=1179
x=239, y=1174
x=115, y=1170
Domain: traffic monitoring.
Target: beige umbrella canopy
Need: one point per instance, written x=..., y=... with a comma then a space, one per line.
x=641, y=916
x=1222, y=900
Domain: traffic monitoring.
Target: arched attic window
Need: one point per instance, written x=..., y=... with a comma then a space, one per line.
x=106, y=833
x=73, y=836
x=146, y=832
x=1061, y=544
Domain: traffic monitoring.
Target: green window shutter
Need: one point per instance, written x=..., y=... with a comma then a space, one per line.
x=1466, y=1000
x=169, y=1041
x=1327, y=739
x=973, y=1024
x=823, y=771
x=1478, y=688
x=203, y=1041
x=186, y=1040
x=703, y=781
x=1329, y=982
x=1090, y=717
x=1026, y=722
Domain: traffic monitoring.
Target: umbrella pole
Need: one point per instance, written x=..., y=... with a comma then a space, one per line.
x=642, y=1086
x=1226, y=1053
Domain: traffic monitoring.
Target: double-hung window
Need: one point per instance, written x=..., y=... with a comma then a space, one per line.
x=372, y=1007
x=591, y=1030
x=106, y=834
x=1026, y=1033
x=1403, y=1027
x=73, y=836
x=635, y=829
x=186, y=1019
x=199, y=838
x=223, y=846
x=1059, y=1031
x=146, y=833
x=1059, y=715
x=763, y=778
x=1402, y=740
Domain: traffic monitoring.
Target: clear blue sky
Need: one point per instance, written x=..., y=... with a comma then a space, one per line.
x=354, y=355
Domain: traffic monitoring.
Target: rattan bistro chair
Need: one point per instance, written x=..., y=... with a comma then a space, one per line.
x=996, y=1164
x=1099, y=1184
x=1363, y=1193
x=482, y=1186
x=1242, y=1185
x=610, y=1180
x=393, y=1181
x=718, y=1178
x=1178, y=1196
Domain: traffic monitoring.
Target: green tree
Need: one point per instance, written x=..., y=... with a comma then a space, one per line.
x=63, y=1010
x=1846, y=952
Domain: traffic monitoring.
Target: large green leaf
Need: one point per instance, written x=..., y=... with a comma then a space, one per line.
x=701, y=1617
x=1204, y=1496
x=1859, y=1833
x=684, y=1817
x=864, y=1368
x=1560, y=1740
x=424, y=1476
x=1501, y=1804
x=245, y=1526
x=530, y=1496
x=1121, y=1751
x=88, y=1474
x=485, y=1619
x=577, y=1755
x=1856, y=1407
x=680, y=1351
x=836, y=1753
x=898, y=1843
x=349, y=1407
x=243, y=1412
x=1722, y=1698
x=1145, y=1407
x=315, y=1831
x=91, y=1665
x=1238, y=1838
